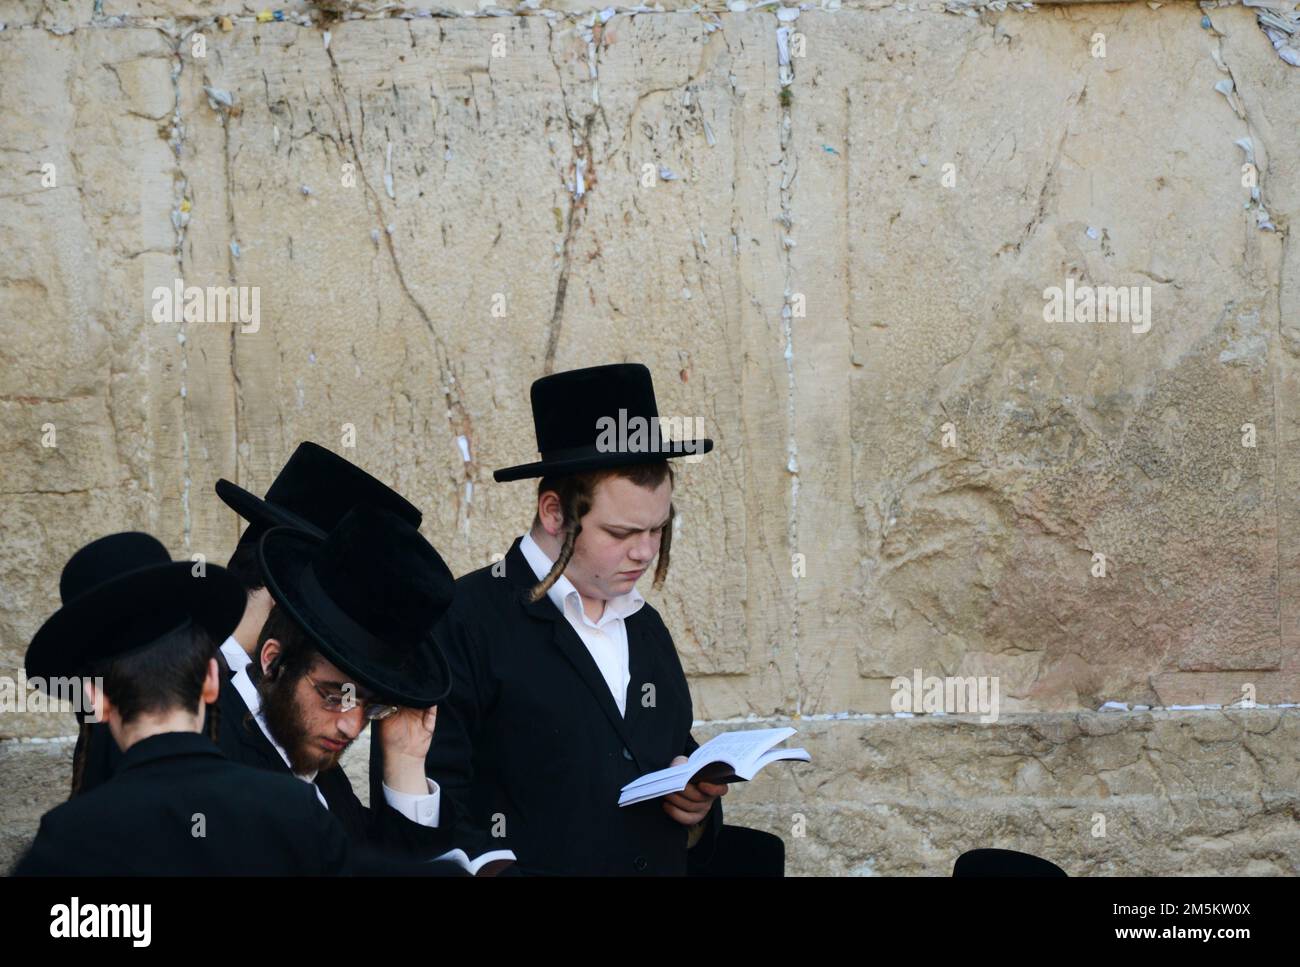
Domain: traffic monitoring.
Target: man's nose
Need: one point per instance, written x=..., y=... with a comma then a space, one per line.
x=645, y=548
x=352, y=721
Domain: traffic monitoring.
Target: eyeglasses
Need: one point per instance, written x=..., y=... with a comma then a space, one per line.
x=336, y=701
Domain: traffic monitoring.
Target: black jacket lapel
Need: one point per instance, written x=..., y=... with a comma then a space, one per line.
x=569, y=644
x=640, y=673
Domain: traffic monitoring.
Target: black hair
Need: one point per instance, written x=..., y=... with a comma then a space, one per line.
x=297, y=653
x=166, y=675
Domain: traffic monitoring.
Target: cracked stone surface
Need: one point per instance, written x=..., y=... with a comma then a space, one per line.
x=796, y=270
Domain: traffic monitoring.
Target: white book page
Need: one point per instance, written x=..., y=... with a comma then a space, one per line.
x=774, y=755
x=653, y=790
x=683, y=770
x=461, y=859
x=737, y=748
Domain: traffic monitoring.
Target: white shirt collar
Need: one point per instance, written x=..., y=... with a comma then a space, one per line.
x=565, y=596
x=236, y=658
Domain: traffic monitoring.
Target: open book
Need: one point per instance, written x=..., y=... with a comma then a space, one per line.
x=472, y=866
x=729, y=757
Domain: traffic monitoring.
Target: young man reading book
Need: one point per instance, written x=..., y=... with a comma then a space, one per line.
x=566, y=685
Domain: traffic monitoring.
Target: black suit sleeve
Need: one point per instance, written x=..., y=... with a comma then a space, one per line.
x=380, y=826
x=393, y=826
x=336, y=855
x=450, y=762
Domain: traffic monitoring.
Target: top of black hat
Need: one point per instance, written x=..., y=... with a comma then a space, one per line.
x=575, y=411
x=1003, y=862
x=568, y=406
x=368, y=594
x=107, y=559
x=313, y=492
x=123, y=592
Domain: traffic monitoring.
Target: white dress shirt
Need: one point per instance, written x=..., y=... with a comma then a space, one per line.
x=235, y=655
x=424, y=810
x=606, y=638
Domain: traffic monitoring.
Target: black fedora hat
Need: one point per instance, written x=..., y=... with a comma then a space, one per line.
x=312, y=492
x=1003, y=862
x=603, y=416
x=121, y=594
x=368, y=595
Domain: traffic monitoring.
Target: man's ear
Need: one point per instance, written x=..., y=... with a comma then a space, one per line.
x=211, y=682
x=270, y=658
x=550, y=513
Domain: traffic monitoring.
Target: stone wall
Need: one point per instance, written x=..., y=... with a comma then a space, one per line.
x=837, y=262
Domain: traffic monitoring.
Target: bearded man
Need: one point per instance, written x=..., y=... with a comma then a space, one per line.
x=348, y=642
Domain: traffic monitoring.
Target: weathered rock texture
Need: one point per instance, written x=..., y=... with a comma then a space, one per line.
x=839, y=274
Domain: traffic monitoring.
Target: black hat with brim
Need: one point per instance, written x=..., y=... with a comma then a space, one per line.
x=1003, y=862
x=312, y=492
x=594, y=459
x=368, y=596
x=121, y=594
x=261, y=514
x=598, y=418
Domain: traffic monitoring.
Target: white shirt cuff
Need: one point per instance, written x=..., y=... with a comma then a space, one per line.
x=418, y=809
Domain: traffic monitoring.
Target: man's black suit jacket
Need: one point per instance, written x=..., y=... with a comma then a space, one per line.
x=530, y=746
x=176, y=806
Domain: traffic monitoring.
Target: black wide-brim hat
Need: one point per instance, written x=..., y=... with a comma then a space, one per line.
x=1003, y=862
x=313, y=492
x=120, y=595
x=595, y=418
x=367, y=595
